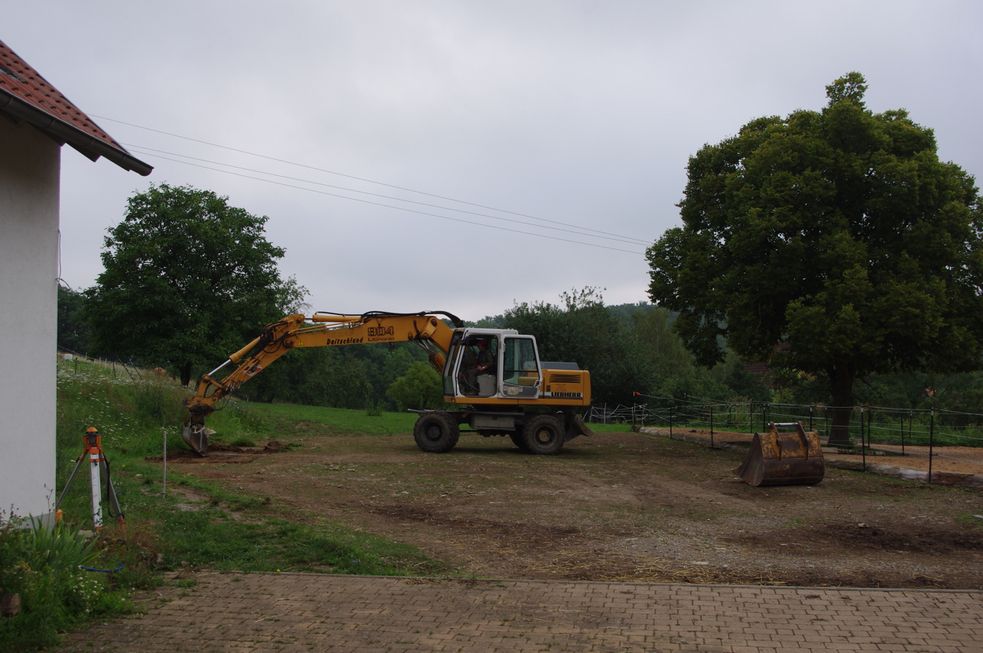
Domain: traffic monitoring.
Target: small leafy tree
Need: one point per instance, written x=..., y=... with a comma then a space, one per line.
x=419, y=387
x=836, y=240
x=188, y=279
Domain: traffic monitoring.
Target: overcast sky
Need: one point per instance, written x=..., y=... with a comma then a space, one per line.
x=570, y=123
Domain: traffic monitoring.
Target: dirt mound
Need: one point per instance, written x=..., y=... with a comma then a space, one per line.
x=222, y=453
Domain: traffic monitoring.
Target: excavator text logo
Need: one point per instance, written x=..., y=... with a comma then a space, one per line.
x=330, y=342
x=381, y=332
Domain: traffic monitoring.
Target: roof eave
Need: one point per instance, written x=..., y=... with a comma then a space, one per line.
x=87, y=145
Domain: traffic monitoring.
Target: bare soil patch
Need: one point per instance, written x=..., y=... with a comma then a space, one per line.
x=618, y=506
x=221, y=453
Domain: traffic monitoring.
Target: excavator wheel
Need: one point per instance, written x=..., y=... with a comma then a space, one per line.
x=544, y=435
x=436, y=432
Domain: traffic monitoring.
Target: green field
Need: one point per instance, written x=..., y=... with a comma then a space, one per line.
x=288, y=417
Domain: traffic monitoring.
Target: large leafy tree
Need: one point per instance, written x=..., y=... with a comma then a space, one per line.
x=835, y=239
x=188, y=279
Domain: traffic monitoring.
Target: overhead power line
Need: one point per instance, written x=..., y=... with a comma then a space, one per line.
x=372, y=181
x=392, y=206
x=154, y=151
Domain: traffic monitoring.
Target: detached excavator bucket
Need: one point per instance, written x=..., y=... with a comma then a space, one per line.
x=576, y=426
x=784, y=455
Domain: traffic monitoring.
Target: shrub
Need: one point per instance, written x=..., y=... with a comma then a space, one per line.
x=42, y=565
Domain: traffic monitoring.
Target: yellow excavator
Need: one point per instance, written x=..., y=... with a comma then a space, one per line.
x=492, y=378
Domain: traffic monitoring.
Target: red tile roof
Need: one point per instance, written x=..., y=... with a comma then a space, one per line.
x=25, y=95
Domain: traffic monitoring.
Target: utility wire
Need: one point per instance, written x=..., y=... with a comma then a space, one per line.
x=151, y=150
x=365, y=179
x=398, y=208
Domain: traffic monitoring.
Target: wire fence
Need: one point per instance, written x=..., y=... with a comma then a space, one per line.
x=873, y=430
x=117, y=369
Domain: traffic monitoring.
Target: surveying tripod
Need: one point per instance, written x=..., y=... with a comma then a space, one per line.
x=92, y=447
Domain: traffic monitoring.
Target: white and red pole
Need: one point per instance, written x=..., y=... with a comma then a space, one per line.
x=93, y=447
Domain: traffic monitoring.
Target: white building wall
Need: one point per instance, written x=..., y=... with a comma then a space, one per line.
x=29, y=176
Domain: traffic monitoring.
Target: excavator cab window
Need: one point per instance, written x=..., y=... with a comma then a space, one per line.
x=452, y=368
x=520, y=367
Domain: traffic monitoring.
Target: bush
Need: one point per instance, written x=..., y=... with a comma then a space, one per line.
x=42, y=565
x=420, y=387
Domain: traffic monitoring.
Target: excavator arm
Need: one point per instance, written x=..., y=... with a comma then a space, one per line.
x=322, y=329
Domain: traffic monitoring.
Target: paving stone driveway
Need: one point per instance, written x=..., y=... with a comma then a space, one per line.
x=308, y=612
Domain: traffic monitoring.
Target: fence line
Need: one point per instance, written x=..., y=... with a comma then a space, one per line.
x=868, y=425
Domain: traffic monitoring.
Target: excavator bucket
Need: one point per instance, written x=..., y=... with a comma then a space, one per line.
x=784, y=455
x=576, y=426
x=196, y=437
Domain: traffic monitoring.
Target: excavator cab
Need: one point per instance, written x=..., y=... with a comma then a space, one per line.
x=492, y=363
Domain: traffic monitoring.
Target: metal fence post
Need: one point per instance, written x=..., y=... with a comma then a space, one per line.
x=902, y=430
x=163, y=432
x=711, y=426
x=812, y=411
x=863, y=447
x=670, y=422
x=931, y=443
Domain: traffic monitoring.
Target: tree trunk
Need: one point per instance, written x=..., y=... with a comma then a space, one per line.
x=841, y=390
x=185, y=369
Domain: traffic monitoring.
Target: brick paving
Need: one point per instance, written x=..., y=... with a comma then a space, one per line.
x=310, y=612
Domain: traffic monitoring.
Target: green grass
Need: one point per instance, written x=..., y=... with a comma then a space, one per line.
x=294, y=417
x=974, y=520
x=274, y=544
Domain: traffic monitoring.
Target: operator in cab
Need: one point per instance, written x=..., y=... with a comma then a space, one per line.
x=478, y=359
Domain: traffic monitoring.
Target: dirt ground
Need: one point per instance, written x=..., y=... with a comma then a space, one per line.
x=617, y=506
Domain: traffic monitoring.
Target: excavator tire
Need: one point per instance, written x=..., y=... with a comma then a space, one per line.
x=436, y=432
x=544, y=435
